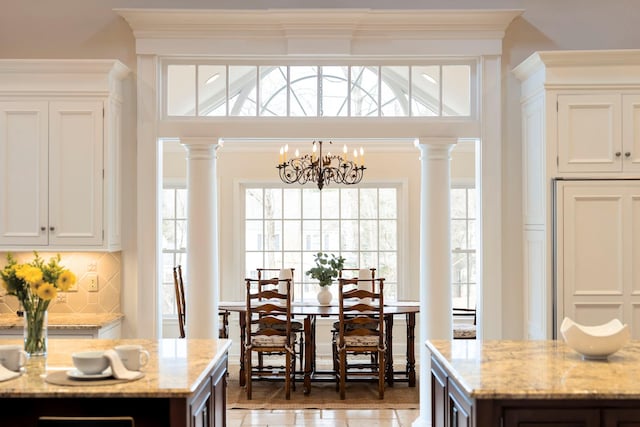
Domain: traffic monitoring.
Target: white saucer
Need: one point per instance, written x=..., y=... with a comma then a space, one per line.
x=78, y=375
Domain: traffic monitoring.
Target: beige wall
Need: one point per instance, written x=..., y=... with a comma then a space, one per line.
x=90, y=29
x=106, y=265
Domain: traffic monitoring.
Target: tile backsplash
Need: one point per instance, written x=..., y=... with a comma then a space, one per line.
x=105, y=300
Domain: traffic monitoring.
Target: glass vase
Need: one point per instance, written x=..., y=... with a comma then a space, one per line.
x=35, y=333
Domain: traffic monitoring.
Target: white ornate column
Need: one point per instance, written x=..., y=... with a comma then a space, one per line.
x=202, y=238
x=435, y=256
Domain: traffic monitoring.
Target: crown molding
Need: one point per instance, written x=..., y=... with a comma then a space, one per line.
x=318, y=23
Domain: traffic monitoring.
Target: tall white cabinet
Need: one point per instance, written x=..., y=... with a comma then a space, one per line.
x=580, y=157
x=60, y=144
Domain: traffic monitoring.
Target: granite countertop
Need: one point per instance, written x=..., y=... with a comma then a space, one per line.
x=65, y=320
x=175, y=369
x=538, y=370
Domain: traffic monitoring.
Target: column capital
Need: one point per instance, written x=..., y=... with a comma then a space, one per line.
x=201, y=146
x=436, y=147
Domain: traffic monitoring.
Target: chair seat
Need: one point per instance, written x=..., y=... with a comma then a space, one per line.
x=361, y=341
x=464, y=331
x=295, y=326
x=268, y=341
x=373, y=325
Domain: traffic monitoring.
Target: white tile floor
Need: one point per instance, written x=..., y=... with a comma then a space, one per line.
x=322, y=417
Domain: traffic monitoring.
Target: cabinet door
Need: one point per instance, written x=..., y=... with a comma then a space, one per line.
x=631, y=132
x=621, y=418
x=23, y=173
x=76, y=173
x=459, y=407
x=598, y=238
x=590, y=133
x=438, y=395
x=551, y=417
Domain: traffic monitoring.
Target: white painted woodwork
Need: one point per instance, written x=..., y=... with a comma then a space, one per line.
x=579, y=110
x=60, y=151
x=598, y=242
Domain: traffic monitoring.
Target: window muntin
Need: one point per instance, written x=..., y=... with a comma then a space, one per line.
x=358, y=90
x=463, y=247
x=295, y=224
x=174, y=243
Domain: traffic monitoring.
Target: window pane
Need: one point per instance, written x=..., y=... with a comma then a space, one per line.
x=471, y=195
x=311, y=235
x=388, y=203
x=303, y=100
x=334, y=91
x=388, y=267
x=425, y=91
x=458, y=234
x=168, y=203
x=349, y=203
x=330, y=197
x=168, y=234
x=181, y=90
x=212, y=90
x=181, y=235
x=242, y=90
x=388, y=235
x=368, y=203
x=459, y=271
x=253, y=235
x=349, y=235
x=292, y=203
x=273, y=91
x=369, y=259
x=181, y=203
x=253, y=203
x=330, y=235
x=458, y=203
x=292, y=237
x=311, y=203
x=368, y=235
x=253, y=260
x=273, y=235
x=364, y=91
x=272, y=260
x=456, y=90
x=473, y=244
x=395, y=91
x=273, y=203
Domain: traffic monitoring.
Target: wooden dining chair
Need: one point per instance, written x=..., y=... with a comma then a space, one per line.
x=356, y=336
x=268, y=330
x=182, y=307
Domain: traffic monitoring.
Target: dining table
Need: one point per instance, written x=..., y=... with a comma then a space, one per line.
x=310, y=312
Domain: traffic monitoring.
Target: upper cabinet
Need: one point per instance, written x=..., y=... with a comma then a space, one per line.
x=599, y=132
x=60, y=145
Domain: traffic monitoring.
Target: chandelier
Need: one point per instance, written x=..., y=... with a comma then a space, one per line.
x=319, y=168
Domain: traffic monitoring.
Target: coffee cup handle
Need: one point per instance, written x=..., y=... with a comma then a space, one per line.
x=144, y=357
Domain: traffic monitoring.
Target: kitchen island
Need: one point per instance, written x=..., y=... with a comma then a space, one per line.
x=184, y=385
x=532, y=383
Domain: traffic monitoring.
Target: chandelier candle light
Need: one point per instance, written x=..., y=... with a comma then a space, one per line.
x=319, y=168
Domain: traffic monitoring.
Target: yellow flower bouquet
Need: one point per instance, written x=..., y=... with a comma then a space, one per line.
x=35, y=284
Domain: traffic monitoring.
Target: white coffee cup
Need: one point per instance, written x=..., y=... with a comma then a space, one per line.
x=133, y=356
x=90, y=362
x=12, y=357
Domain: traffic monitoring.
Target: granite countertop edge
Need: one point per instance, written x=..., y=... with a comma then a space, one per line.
x=9, y=321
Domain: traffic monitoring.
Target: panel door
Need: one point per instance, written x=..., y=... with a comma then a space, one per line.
x=621, y=418
x=590, y=133
x=23, y=173
x=631, y=133
x=551, y=417
x=598, y=237
x=76, y=173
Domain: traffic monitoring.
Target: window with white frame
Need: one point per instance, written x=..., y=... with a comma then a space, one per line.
x=174, y=244
x=285, y=227
x=463, y=246
x=315, y=90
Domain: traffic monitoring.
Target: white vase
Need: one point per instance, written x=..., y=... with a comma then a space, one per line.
x=324, y=296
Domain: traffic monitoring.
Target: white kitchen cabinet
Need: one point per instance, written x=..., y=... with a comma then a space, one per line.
x=580, y=120
x=60, y=186
x=598, y=132
x=598, y=251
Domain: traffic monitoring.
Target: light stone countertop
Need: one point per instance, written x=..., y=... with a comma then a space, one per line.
x=175, y=369
x=64, y=320
x=538, y=370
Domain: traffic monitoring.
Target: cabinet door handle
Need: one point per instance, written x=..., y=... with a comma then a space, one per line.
x=618, y=154
x=52, y=228
x=43, y=228
x=627, y=154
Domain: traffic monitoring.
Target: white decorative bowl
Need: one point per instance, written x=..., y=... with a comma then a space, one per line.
x=595, y=342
